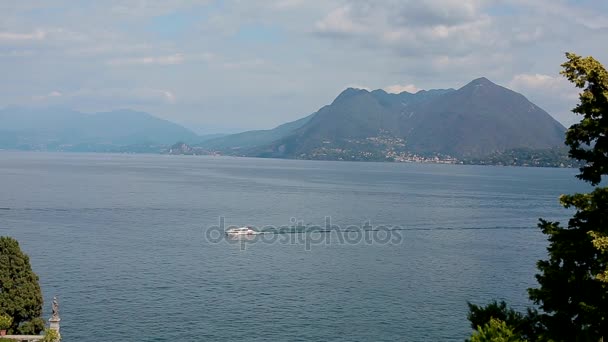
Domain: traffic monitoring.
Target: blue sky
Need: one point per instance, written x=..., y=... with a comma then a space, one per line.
x=233, y=65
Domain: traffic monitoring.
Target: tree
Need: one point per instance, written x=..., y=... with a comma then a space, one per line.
x=51, y=335
x=525, y=327
x=495, y=331
x=601, y=243
x=574, y=302
x=20, y=295
x=571, y=295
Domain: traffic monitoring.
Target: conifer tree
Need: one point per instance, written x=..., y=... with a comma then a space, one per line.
x=573, y=282
x=20, y=294
x=574, y=301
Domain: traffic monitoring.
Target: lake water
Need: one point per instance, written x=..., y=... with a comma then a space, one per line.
x=127, y=243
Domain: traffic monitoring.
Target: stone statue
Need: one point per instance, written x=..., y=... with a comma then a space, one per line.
x=55, y=308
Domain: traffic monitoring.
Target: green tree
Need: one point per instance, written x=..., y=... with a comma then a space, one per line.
x=601, y=243
x=5, y=322
x=495, y=331
x=572, y=298
x=525, y=327
x=20, y=295
x=574, y=302
x=50, y=336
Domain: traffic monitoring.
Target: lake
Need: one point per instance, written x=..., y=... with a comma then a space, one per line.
x=130, y=244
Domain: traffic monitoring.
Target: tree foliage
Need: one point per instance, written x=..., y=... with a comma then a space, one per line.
x=601, y=243
x=573, y=292
x=495, y=331
x=592, y=131
x=5, y=322
x=526, y=326
x=574, y=302
x=50, y=335
x=20, y=294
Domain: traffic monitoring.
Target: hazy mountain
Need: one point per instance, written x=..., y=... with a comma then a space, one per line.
x=476, y=120
x=53, y=127
x=481, y=118
x=245, y=140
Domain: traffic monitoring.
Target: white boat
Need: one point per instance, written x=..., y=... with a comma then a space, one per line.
x=241, y=231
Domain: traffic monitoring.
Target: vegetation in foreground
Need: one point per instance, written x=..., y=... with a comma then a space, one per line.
x=20, y=294
x=573, y=286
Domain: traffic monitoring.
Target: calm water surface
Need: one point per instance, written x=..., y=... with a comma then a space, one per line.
x=123, y=241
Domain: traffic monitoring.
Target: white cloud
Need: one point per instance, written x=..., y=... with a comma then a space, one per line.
x=339, y=21
x=411, y=27
x=42, y=98
x=17, y=53
x=118, y=97
x=539, y=82
x=288, y=4
x=591, y=18
x=431, y=44
x=17, y=36
x=169, y=96
x=150, y=8
x=246, y=64
x=552, y=93
x=533, y=80
x=177, y=58
x=357, y=86
x=398, y=88
x=172, y=59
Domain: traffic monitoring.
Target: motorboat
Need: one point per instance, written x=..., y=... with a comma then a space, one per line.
x=241, y=231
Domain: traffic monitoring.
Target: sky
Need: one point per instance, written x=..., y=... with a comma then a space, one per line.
x=227, y=66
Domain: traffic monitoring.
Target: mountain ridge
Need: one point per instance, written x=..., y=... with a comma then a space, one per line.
x=60, y=128
x=478, y=119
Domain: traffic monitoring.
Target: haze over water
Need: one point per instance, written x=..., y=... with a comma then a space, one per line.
x=120, y=239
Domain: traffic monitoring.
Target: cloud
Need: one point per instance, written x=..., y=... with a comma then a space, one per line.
x=552, y=93
x=539, y=82
x=16, y=36
x=151, y=8
x=411, y=27
x=17, y=53
x=246, y=64
x=288, y=4
x=591, y=17
x=398, y=88
x=177, y=58
x=127, y=95
x=52, y=94
x=358, y=86
x=108, y=53
x=117, y=97
x=340, y=21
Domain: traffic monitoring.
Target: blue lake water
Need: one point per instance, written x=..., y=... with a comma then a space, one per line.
x=127, y=243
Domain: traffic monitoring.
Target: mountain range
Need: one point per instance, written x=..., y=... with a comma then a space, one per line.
x=479, y=119
x=64, y=129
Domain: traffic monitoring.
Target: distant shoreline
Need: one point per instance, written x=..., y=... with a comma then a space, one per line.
x=439, y=162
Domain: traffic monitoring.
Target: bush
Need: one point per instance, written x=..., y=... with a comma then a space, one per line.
x=20, y=295
x=50, y=336
x=495, y=331
x=5, y=322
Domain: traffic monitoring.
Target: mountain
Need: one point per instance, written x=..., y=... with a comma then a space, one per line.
x=239, y=141
x=481, y=122
x=478, y=119
x=56, y=128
